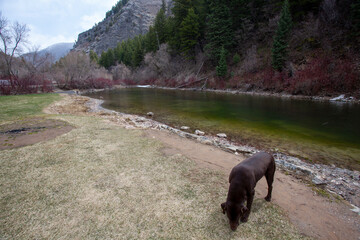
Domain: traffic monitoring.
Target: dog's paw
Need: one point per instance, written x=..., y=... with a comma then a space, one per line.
x=244, y=219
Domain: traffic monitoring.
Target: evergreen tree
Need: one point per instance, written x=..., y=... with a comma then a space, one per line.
x=189, y=34
x=151, y=44
x=280, y=44
x=239, y=12
x=219, y=29
x=102, y=60
x=128, y=53
x=180, y=11
x=110, y=58
x=160, y=26
x=201, y=10
x=138, y=52
x=221, y=69
x=355, y=17
x=236, y=59
x=172, y=34
x=107, y=59
x=93, y=56
x=119, y=52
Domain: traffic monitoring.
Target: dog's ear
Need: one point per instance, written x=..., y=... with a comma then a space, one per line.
x=223, y=206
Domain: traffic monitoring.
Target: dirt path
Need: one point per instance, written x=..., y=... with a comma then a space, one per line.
x=314, y=215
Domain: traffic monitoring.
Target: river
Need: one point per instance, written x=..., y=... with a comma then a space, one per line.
x=317, y=131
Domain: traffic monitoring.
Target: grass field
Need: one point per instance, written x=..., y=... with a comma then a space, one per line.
x=101, y=181
x=21, y=106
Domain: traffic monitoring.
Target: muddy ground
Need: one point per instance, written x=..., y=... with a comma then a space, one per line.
x=30, y=131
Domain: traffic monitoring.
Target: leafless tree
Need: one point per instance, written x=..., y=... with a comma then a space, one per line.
x=121, y=72
x=12, y=38
x=329, y=12
x=76, y=70
x=35, y=62
x=250, y=62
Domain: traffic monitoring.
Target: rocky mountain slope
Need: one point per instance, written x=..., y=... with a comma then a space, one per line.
x=133, y=19
x=57, y=50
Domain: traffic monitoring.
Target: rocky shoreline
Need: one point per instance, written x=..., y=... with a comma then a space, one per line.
x=343, y=182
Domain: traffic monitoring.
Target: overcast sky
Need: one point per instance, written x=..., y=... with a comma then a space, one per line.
x=55, y=21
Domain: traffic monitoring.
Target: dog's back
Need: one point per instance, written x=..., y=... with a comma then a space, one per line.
x=256, y=166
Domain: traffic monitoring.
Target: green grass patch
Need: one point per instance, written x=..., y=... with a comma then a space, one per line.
x=21, y=106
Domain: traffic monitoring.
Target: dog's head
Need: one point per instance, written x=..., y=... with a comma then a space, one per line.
x=234, y=212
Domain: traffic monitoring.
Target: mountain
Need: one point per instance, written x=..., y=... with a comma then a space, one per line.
x=132, y=19
x=57, y=50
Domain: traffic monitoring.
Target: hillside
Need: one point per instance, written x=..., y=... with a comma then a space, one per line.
x=57, y=50
x=132, y=19
x=306, y=47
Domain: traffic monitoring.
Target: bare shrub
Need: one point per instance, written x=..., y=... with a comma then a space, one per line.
x=167, y=66
x=143, y=74
x=305, y=38
x=120, y=71
x=329, y=12
x=29, y=78
x=158, y=61
x=77, y=71
x=250, y=62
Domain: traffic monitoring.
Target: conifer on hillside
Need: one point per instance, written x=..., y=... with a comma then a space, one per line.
x=219, y=29
x=221, y=69
x=280, y=44
x=189, y=34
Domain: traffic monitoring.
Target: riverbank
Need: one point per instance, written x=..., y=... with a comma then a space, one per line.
x=314, y=213
x=338, y=99
x=343, y=182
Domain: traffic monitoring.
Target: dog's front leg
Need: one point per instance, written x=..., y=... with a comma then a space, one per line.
x=249, y=201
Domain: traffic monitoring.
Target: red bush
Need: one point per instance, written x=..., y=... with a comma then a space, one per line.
x=323, y=75
x=326, y=75
x=100, y=83
x=46, y=86
x=127, y=82
x=236, y=82
x=19, y=86
x=171, y=83
x=149, y=81
x=217, y=83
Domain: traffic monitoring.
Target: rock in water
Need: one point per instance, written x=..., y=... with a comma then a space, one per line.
x=150, y=114
x=185, y=128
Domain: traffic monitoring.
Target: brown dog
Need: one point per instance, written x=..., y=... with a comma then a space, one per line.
x=243, y=179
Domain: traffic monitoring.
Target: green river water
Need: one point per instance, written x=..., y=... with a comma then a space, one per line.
x=325, y=132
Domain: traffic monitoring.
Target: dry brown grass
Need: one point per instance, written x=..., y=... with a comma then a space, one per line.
x=101, y=181
x=68, y=105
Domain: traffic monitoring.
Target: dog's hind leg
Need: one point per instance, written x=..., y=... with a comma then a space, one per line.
x=270, y=179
